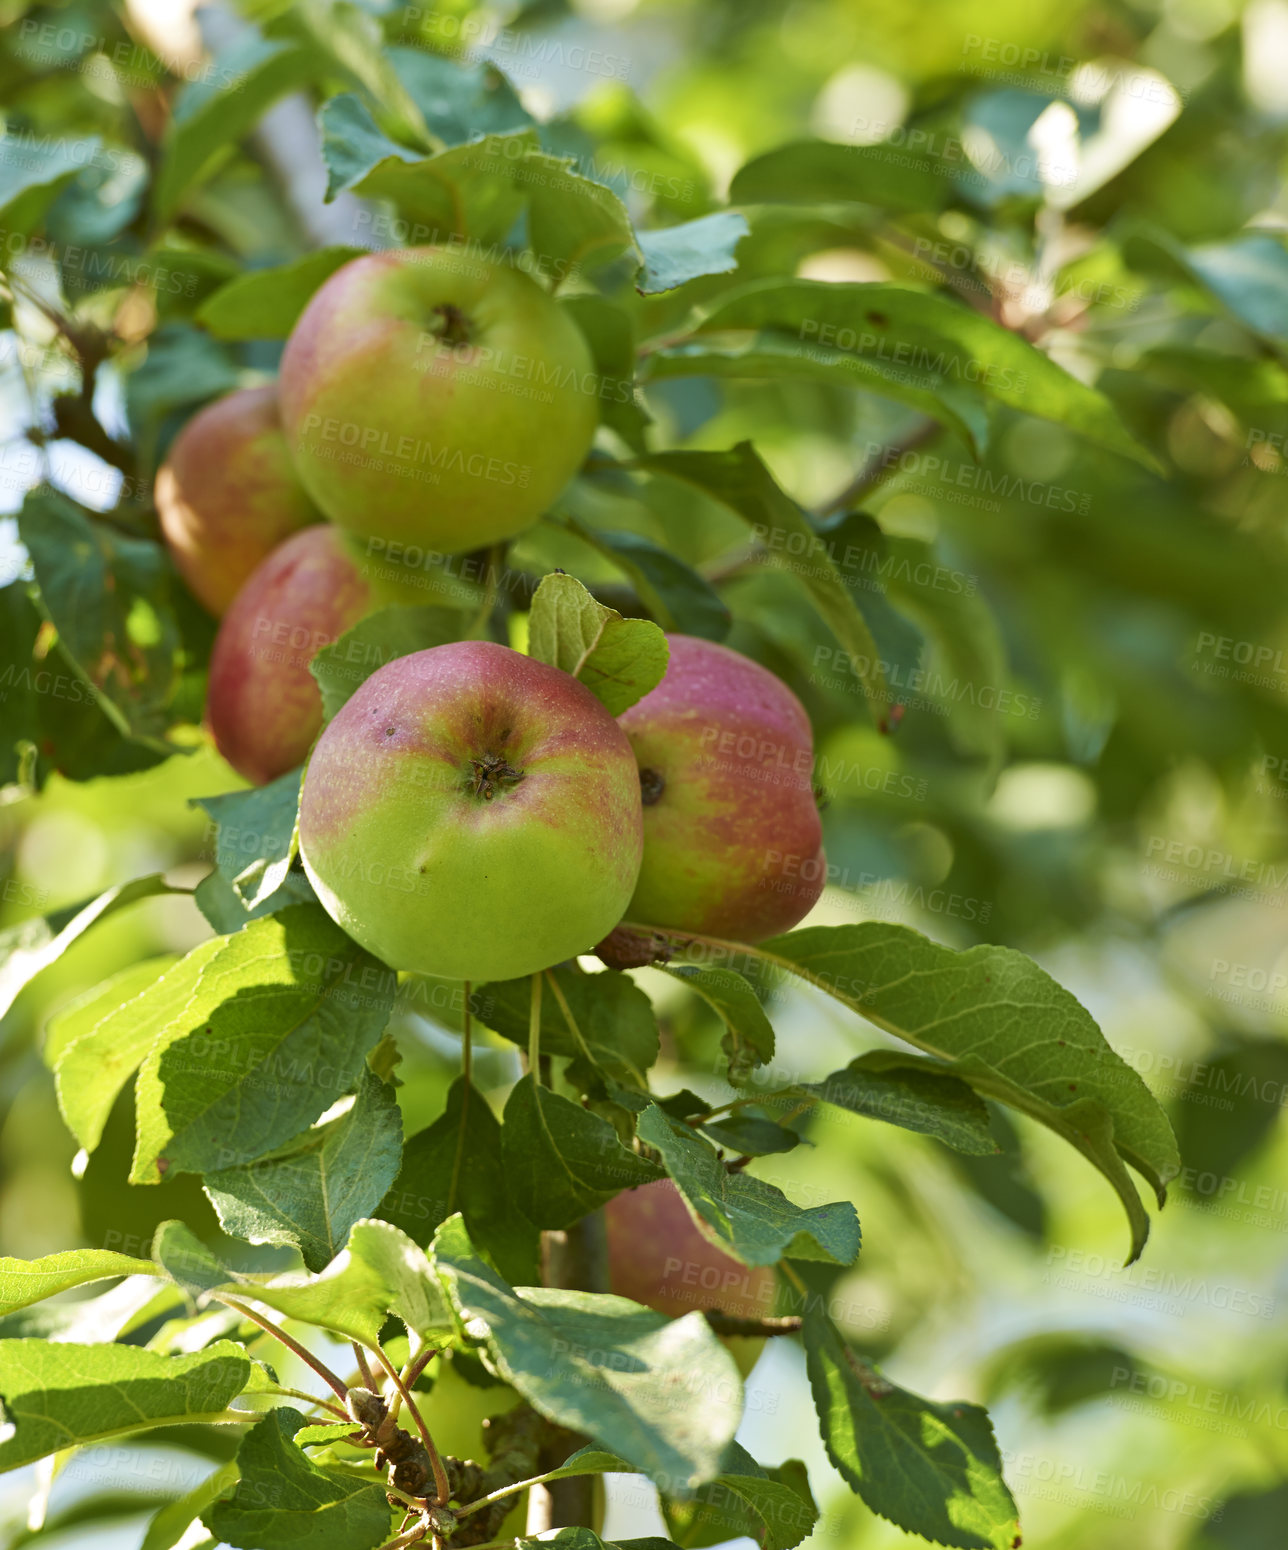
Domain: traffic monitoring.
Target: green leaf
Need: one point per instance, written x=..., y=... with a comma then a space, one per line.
x=454, y=1165
x=74, y=1019
x=32, y=945
x=752, y=1131
x=926, y=336
x=932, y=1469
x=818, y=172
x=57, y=1396
x=284, y=1499
x=576, y=223
x=914, y=1093
x=212, y=114
x=663, y=1394
x=34, y=168
x=468, y=191
x=25, y=1281
x=109, y=1036
x=265, y=303
x=739, y=480
x=256, y=844
x=605, y=1019
x=748, y=1218
x=609, y=330
x=619, y=660
x=744, y=1498
x=677, y=254
x=1004, y=1026
x=459, y=101
x=342, y=667
x=380, y=1272
x=171, y=1524
x=310, y=1192
x=189, y=1263
x=564, y=1161
x=673, y=592
x=107, y=595
x=772, y=1506
x=277, y=1030
x=748, y=1039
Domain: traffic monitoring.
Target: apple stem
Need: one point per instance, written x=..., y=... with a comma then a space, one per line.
x=467, y=1075
x=534, y=1030
x=559, y=996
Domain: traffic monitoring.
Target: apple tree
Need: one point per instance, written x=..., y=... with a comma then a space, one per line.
x=579, y=1233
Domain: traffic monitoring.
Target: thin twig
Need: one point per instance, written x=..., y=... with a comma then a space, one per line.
x=880, y=467
x=306, y=1356
x=364, y=1367
x=441, y=1485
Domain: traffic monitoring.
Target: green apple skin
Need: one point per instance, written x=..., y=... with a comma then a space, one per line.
x=228, y=494
x=658, y=1256
x=263, y=706
x=733, y=844
x=436, y=401
x=436, y=866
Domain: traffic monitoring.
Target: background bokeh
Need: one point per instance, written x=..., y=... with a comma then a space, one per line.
x=1104, y=784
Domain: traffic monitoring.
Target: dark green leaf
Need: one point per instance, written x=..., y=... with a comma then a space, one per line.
x=457, y=1165
x=673, y=592
x=933, y=1469
x=749, y=1036
x=255, y=845
x=603, y=1018
x=310, y=1192
x=1004, y=1026
x=916, y=1094
x=750, y=1219
x=563, y=1161
x=662, y=1394
x=277, y=1030
x=283, y=1499
x=772, y=1506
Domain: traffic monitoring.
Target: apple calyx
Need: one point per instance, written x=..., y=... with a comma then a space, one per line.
x=492, y=773
x=452, y=327
x=652, y=785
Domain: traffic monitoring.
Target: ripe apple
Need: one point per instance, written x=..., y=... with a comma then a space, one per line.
x=472, y=813
x=732, y=838
x=263, y=705
x=435, y=399
x=228, y=494
x=658, y=1256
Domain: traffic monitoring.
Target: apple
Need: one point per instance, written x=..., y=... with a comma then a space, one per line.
x=228, y=494
x=263, y=706
x=435, y=399
x=658, y=1256
x=732, y=837
x=472, y=813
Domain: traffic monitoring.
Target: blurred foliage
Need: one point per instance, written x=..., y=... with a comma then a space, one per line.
x=1107, y=182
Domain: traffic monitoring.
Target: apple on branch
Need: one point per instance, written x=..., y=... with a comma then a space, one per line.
x=263, y=705
x=436, y=398
x=472, y=813
x=228, y=494
x=733, y=843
